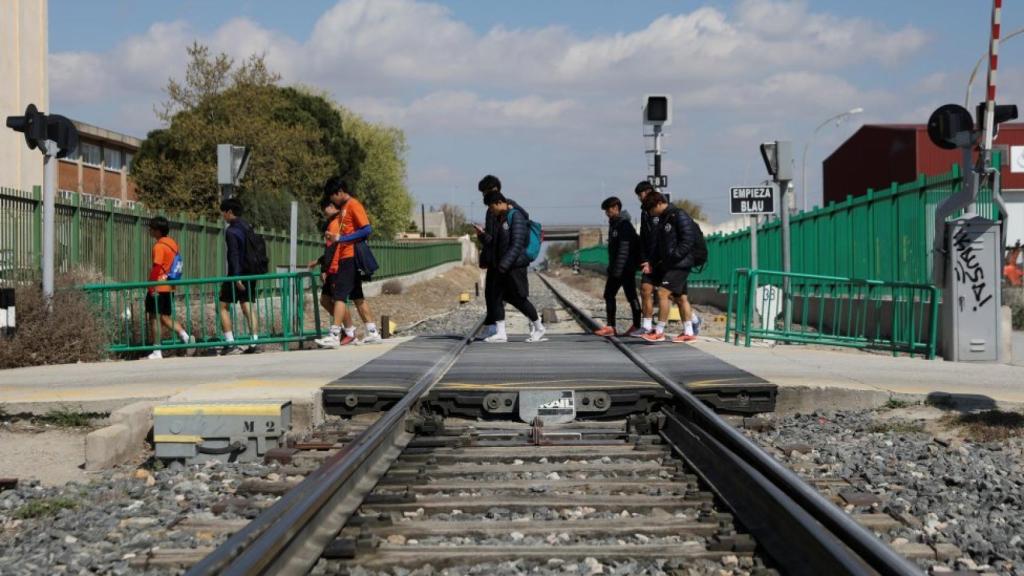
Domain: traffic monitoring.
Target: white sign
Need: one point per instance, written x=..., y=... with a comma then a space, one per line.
x=768, y=303
x=1017, y=159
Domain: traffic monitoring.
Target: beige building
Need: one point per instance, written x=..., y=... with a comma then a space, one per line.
x=23, y=68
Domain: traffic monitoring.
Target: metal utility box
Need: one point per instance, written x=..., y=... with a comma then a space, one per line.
x=229, y=432
x=972, y=299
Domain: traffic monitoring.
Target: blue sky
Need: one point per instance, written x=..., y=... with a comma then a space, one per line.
x=546, y=94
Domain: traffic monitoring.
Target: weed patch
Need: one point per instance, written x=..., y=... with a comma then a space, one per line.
x=44, y=507
x=65, y=417
x=988, y=426
x=896, y=426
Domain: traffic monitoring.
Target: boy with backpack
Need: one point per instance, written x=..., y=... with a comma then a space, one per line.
x=680, y=247
x=512, y=247
x=246, y=255
x=623, y=260
x=167, y=265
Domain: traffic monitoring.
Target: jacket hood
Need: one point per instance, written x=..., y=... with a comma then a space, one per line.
x=624, y=215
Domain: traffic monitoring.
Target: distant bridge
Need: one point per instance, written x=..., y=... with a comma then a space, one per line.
x=585, y=235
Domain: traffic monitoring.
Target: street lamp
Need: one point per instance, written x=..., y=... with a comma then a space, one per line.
x=977, y=66
x=838, y=119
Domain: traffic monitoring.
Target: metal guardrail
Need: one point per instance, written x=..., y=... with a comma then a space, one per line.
x=836, y=311
x=285, y=306
x=795, y=525
x=286, y=538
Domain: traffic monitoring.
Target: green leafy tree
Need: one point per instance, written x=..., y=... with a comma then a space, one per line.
x=380, y=184
x=692, y=208
x=297, y=141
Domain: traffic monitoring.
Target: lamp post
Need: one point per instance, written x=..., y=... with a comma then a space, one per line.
x=977, y=66
x=838, y=119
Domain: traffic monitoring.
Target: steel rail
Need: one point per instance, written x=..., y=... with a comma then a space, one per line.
x=798, y=527
x=289, y=536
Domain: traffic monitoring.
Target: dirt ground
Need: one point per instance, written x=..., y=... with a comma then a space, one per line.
x=52, y=456
x=712, y=319
x=429, y=298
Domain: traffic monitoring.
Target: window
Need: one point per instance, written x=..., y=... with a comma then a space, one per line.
x=128, y=157
x=113, y=158
x=91, y=153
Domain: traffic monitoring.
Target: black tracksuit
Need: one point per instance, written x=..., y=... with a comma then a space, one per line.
x=505, y=243
x=648, y=241
x=623, y=259
x=678, y=236
x=488, y=260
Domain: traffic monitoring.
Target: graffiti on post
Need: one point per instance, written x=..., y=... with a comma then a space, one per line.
x=969, y=270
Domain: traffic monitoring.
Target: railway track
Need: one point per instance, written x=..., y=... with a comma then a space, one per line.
x=674, y=490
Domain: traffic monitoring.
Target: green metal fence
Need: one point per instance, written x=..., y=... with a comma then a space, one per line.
x=884, y=235
x=833, y=310
x=284, y=307
x=97, y=234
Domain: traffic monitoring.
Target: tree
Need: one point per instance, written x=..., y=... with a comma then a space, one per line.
x=297, y=141
x=455, y=220
x=380, y=185
x=692, y=208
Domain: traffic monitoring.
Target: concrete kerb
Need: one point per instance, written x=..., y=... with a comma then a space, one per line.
x=116, y=443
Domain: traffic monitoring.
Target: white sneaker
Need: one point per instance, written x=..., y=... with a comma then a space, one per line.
x=372, y=338
x=696, y=324
x=329, y=341
x=537, y=335
x=192, y=343
x=496, y=338
x=489, y=330
x=155, y=355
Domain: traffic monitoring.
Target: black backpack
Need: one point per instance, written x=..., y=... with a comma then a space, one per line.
x=700, y=249
x=256, y=261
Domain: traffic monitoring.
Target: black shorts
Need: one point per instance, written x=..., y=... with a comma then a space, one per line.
x=676, y=281
x=162, y=302
x=346, y=283
x=652, y=279
x=229, y=292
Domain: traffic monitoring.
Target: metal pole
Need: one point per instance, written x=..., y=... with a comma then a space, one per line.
x=423, y=220
x=293, y=240
x=657, y=158
x=49, y=211
x=753, y=242
x=788, y=298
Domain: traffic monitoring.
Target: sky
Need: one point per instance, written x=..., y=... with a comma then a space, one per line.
x=547, y=94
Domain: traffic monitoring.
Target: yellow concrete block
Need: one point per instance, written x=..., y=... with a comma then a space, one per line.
x=673, y=314
x=464, y=297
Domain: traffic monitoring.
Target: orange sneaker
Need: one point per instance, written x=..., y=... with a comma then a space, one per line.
x=683, y=338
x=654, y=337
x=606, y=331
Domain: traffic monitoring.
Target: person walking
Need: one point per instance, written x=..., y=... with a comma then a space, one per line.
x=241, y=292
x=330, y=212
x=677, y=242
x=623, y=259
x=647, y=248
x=509, y=266
x=492, y=290
x=160, y=299
x=351, y=226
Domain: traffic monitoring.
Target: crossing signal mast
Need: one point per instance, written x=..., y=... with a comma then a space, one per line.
x=56, y=137
x=967, y=252
x=657, y=113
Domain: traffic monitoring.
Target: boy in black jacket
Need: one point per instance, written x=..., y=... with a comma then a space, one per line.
x=671, y=263
x=648, y=246
x=508, y=262
x=623, y=259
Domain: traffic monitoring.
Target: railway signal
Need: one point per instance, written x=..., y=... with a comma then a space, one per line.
x=778, y=160
x=56, y=137
x=657, y=113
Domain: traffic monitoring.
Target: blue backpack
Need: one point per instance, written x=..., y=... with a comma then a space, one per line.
x=177, y=267
x=536, y=237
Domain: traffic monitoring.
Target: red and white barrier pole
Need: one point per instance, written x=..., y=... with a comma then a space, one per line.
x=993, y=65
